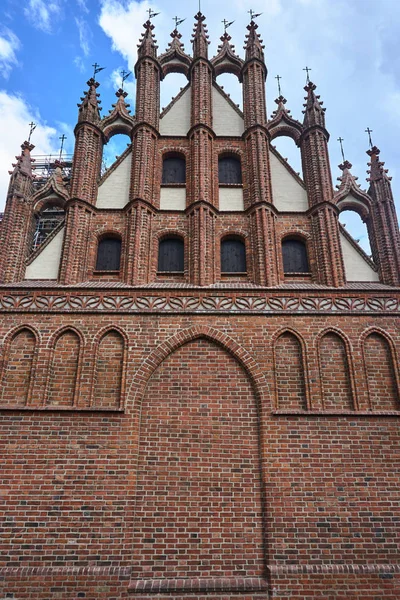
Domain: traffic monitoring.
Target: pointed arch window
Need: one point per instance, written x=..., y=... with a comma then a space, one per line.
x=233, y=256
x=171, y=257
x=294, y=255
x=46, y=221
x=229, y=170
x=109, y=254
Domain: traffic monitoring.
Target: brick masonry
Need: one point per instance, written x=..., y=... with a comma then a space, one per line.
x=198, y=435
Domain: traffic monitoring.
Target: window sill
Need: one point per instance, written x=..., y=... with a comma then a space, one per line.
x=294, y=274
x=173, y=185
x=105, y=273
x=235, y=274
x=174, y=273
x=231, y=185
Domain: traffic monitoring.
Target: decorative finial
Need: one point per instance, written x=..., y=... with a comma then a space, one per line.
x=97, y=68
x=152, y=14
x=178, y=21
x=227, y=24
x=253, y=15
x=32, y=126
x=341, y=140
x=307, y=69
x=278, y=78
x=369, y=131
x=62, y=138
x=124, y=74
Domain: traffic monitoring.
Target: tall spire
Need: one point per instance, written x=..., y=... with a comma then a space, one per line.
x=377, y=172
x=313, y=113
x=89, y=108
x=147, y=45
x=254, y=47
x=200, y=37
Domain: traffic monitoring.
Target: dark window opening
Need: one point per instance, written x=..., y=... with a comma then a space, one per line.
x=174, y=170
x=171, y=255
x=294, y=253
x=229, y=170
x=108, y=255
x=46, y=222
x=233, y=256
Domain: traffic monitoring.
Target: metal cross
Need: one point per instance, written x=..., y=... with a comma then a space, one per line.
x=341, y=140
x=97, y=68
x=278, y=78
x=369, y=131
x=124, y=74
x=62, y=138
x=307, y=69
x=32, y=126
x=152, y=14
x=178, y=21
x=253, y=15
x=227, y=24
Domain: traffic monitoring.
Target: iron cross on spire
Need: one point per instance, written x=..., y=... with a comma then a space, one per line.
x=278, y=78
x=96, y=69
x=253, y=15
x=369, y=131
x=227, y=24
x=152, y=14
x=124, y=74
x=178, y=21
x=62, y=138
x=32, y=126
x=307, y=69
x=341, y=140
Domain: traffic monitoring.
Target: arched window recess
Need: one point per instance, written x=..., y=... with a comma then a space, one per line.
x=109, y=254
x=233, y=256
x=49, y=217
x=294, y=256
x=171, y=255
x=229, y=170
x=173, y=170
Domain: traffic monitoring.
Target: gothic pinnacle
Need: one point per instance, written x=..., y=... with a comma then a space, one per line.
x=147, y=45
x=313, y=113
x=89, y=108
x=200, y=38
x=254, y=47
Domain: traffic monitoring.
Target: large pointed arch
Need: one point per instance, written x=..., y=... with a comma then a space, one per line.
x=150, y=364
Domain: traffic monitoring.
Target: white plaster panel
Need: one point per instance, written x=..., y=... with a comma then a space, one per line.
x=230, y=199
x=226, y=121
x=287, y=193
x=47, y=264
x=357, y=269
x=114, y=191
x=173, y=198
x=177, y=120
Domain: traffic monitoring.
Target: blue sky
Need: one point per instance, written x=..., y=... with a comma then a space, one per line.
x=47, y=48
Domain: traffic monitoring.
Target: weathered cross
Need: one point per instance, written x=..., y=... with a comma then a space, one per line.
x=278, y=78
x=32, y=126
x=227, y=24
x=307, y=69
x=152, y=14
x=124, y=74
x=253, y=15
x=369, y=131
x=178, y=21
x=62, y=138
x=97, y=68
x=341, y=140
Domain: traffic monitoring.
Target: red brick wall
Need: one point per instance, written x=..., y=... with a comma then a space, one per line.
x=108, y=374
x=289, y=373
x=380, y=373
x=198, y=503
x=18, y=364
x=335, y=374
x=64, y=370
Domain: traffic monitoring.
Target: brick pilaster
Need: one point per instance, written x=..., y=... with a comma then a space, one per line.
x=202, y=219
x=139, y=220
x=318, y=180
x=383, y=222
x=16, y=226
x=78, y=229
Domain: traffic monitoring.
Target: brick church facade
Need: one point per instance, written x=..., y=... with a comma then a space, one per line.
x=199, y=365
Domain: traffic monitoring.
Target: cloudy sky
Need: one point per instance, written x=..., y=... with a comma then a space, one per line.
x=47, y=48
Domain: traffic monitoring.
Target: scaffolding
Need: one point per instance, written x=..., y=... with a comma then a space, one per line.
x=45, y=165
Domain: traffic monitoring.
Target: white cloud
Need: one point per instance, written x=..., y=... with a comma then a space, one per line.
x=9, y=45
x=43, y=15
x=82, y=5
x=123, y=23
x=15, y=114
x=85, y=35
x=78, y=62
